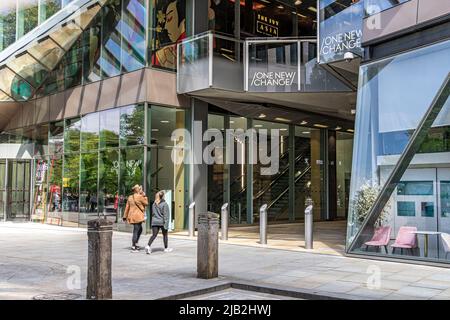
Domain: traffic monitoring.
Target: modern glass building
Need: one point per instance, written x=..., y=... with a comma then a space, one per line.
x=99, y=95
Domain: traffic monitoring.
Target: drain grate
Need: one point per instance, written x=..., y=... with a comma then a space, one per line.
x=57, y=296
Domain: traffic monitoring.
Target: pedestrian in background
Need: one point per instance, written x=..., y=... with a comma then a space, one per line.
x=135, y=214
x=160, y=220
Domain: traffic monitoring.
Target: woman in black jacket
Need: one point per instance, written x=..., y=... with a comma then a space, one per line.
x=160, y=220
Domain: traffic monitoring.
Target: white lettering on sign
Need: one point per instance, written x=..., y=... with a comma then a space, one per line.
x=275, y=79
x=341, y=42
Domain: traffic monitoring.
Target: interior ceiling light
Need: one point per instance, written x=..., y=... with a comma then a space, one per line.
x=318, y=125
x=298, y=2
x=312, y=9
x=262, y=115
x=338, y=128
x=282, y=119
x=304, y=122
x=165, y=121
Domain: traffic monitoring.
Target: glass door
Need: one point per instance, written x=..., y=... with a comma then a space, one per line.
x=2, y=188
x=18, y=190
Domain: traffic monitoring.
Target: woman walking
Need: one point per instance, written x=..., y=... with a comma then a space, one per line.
x=160, y=220
x=135, y=214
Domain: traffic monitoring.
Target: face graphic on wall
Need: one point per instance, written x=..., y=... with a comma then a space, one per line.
x=175, y=28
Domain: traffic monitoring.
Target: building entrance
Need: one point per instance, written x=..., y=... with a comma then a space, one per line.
x=15, y=181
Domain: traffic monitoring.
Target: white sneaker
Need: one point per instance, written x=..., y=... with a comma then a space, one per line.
x=148, y=250
x=168, y=250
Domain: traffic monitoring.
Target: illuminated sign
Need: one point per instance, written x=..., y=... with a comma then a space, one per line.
x=267, y=26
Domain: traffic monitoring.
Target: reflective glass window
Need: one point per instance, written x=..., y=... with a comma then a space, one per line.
x=406, y=208
x=7, y=23
x=28, y=17
x=92, y=47
x=48, y=8
x=415, y=188
x=29, y=69
x=47, y=52
x=445, y=199
x=133, y=24
x=109, y=128
x=111, y=37
x=131, y=172
x=15, y=86
x=56, y=137
x=71, y=193
x=72, y=135
x=88, y=186
x=89, y=132
x=109, y=182
x=132, y=122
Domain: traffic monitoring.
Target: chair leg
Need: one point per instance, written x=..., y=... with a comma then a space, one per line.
x=393, y=250
x=386, y=248
x=367, y=248
x=401, y=251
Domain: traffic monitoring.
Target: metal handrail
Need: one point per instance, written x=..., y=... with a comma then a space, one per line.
x=299, y=176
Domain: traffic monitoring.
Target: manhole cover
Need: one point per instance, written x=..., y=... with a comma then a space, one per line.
x=57, y=296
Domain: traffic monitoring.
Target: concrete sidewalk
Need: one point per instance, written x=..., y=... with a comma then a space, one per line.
x=35, y=259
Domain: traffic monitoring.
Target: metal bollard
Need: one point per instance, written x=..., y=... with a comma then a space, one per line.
x=192, y=220
x=309, y=222
x=224, y=217
x=263, y=224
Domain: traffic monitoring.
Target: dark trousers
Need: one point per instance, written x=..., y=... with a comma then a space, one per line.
x=137, y=230
x=155, y=231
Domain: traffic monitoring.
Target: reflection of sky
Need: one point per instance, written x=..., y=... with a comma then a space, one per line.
x=89, y=123
x=137, y=10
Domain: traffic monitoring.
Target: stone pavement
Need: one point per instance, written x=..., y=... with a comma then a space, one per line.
x=35, y=260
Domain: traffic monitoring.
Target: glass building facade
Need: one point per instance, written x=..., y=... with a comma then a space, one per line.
x=400, y=174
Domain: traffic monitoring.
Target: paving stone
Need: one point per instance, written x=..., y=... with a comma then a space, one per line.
x=420, y=292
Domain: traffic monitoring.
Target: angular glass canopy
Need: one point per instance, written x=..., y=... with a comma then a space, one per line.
x=26, y=64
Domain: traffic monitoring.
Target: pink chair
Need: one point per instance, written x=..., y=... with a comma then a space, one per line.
x=406, y=239
x=380, y=238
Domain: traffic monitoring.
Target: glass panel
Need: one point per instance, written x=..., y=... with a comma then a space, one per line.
x=108, y=201
x=109, y=128
x=47, y=52
x=72, y=135
x=88, y=186
x=409, y=201
x=66, y=35
x=216, y=171
x=344, y=152
x=14, y=86
x=111, y=38
x=427, y=209
x=131, y=173
x=56, y=138
x=7, y=23
x=273, y=67
x=29, y=69
x=73, y=65
x=168, y=29
x=55, y=191
x=84, y=18
x=92, y=44
x=71, y=176
x=340, y=29
x=273, y=189
x=40, y=140
x=4, y=97
x=132, y=122
x=133, y=26
x=381, y=111
x=89, y=132
x=2, y=187
x=48, y=8
x=406, y=209
x=27, y=16
x=238, y=173
x=166, y=174
x=40, y=190
x=445, y=199
x=415, y=188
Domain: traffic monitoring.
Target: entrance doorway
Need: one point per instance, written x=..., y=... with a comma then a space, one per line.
x=15, y=189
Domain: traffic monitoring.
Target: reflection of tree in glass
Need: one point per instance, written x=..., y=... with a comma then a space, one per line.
x=108, y=139
x=132, y=126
